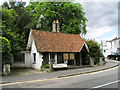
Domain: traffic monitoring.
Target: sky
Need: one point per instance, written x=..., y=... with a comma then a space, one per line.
x=102, y=18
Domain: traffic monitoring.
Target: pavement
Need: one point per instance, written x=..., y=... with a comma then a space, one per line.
x=64, y=73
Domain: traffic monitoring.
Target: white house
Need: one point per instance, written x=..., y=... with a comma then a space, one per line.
x=63, y=49
x=110, y=46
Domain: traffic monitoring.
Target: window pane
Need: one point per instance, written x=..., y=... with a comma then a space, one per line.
x=65, y=56
x=52, y=56
x=72, y=57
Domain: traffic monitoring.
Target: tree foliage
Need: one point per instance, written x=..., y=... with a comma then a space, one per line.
x=94, y=48
x=15, y=24
x=70, y=15
x=8, y=30
x=6, y=51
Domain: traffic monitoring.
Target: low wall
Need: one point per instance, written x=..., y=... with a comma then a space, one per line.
x=20, y=65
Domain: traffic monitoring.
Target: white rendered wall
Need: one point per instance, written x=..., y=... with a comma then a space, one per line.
x=110, y=47
x=38, y=63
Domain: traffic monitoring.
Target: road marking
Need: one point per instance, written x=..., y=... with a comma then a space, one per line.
x=32, y=81
x=28, y=81
x=104, y=70
x=96, y=72
x=106, y=84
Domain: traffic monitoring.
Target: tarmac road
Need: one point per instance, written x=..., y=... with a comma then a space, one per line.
x=103, y=79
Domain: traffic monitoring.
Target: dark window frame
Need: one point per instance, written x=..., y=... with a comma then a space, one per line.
x=20, y=57
x=52, y=55
x=68, y=56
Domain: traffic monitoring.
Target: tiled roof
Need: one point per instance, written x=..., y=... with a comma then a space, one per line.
x=56, y=42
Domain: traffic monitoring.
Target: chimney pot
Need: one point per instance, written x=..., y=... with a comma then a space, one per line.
x=57, y=21
x=55, y=26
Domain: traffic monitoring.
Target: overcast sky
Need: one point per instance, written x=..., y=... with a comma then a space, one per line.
x=102, y=18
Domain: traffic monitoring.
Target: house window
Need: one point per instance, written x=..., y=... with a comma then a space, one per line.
x=34, y=54
x=104, y=50
x=52, y=56
x=65, y=56
x=69, y=56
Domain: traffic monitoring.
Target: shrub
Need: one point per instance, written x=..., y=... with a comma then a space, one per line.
x=47, y=66
x=94, y=48
x=43, y=64
x=7, y=57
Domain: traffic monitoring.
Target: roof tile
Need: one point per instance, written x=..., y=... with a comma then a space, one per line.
x=56, y=42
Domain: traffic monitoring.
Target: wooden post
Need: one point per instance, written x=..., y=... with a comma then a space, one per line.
x=74, y=62
x=80, y=59
x=51, y=64
x=56, y=58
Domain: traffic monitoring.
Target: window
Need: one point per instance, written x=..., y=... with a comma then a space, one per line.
x=104, y=50
x=52, y=56
x=34, y=54
x=69, y=56
x=65, y=56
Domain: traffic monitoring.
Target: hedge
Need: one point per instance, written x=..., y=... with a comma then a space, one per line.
x=7, y=57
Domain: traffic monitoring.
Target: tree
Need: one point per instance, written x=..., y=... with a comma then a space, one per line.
x=94, y=48
x=8, y=30
x=6, y=51
x=70, y=15
x=22, y=22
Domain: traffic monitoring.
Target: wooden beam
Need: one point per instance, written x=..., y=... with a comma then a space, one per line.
x=80, y=59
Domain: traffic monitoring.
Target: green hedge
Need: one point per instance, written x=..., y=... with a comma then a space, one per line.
x=7, y=57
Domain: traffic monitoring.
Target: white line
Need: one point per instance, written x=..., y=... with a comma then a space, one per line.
x=106, y=84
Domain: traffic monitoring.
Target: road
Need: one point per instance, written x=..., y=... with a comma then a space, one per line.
x=102, y=79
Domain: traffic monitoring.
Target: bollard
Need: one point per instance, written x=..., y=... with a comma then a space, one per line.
x=101, y=61
x=6, y=69
x=92, y=61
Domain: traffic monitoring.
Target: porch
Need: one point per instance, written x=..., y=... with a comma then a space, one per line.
x=64, y=60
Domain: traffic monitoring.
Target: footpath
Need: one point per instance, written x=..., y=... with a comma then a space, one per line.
x=64, y=73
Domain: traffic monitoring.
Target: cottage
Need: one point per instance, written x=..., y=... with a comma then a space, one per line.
x=62, y=49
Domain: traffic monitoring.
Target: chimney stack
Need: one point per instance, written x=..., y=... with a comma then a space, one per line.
x=55, y=26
